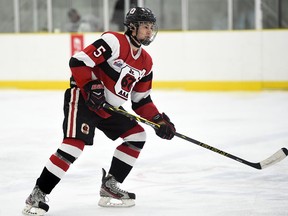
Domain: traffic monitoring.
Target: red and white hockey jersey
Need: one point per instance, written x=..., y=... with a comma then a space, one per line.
x=123, y=73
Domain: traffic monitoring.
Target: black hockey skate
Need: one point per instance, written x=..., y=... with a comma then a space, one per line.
x=112, y=196
x=36, y=203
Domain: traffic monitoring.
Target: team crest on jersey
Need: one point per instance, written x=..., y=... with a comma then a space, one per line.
x=127, y=79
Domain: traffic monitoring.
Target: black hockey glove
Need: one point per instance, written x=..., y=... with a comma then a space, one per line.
x=95, y=94
x=167, y=129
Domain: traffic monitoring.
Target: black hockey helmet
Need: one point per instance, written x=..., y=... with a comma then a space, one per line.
x=135, y=17
x=139, y=14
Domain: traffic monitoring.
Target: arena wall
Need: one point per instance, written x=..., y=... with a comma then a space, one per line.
x=192, y=60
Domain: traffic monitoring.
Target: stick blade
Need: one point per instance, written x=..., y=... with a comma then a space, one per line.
x=275, y=158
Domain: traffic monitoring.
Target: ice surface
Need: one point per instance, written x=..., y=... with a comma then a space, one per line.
x=170, y=177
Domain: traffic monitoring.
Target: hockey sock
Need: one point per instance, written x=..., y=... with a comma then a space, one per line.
x=126, y=154
x=59, y=163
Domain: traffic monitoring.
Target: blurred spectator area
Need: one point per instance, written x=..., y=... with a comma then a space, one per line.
x=51, y=15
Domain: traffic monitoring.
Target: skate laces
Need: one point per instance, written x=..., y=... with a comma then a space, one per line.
x=115, y=185
x=38, y=195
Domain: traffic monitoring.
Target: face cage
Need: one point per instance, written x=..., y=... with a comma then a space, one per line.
x=146, y=42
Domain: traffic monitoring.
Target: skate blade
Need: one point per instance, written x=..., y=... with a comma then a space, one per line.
x=116, y=203
x=30, y=210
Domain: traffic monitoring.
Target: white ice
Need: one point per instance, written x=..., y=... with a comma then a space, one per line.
x=170, y=177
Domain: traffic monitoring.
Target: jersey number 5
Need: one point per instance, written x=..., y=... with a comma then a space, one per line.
x=99, y=51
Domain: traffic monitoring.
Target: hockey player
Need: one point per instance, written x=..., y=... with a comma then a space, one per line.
x=111, y=70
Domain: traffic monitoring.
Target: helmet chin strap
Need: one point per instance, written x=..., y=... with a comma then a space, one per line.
x=135, y=42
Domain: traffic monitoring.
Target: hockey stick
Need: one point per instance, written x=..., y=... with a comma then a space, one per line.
x=275, y=158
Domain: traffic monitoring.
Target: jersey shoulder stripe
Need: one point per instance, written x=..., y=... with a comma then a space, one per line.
x=102, y=48
x=113, y=41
